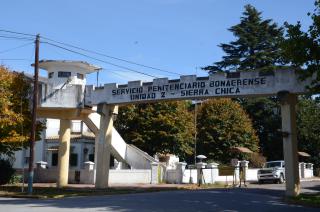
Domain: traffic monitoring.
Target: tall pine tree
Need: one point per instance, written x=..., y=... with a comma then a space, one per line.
x=256, y=47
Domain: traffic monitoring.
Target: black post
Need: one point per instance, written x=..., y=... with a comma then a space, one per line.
x=34, y=114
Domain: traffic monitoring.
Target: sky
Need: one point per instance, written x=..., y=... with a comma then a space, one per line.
x=176, y=36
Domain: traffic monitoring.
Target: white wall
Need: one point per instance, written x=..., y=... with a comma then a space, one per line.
x=53, y=126
x=20, y=155
x=74, y=148
x=186, y=176
x=252, y=175
x=128, y=176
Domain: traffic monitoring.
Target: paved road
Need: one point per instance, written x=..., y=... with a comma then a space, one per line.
x=254, y=198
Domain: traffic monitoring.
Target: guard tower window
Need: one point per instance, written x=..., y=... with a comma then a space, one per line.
x=80, y=76
x=50, y=75
x=62, y=74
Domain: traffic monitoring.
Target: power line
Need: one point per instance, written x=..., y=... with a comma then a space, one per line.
x=19, y=33
x=123, y=76
x=85, y=50
x=14, y=59
x=17, y=38
x=103, y=61
x=11, y=49
x=112, y=57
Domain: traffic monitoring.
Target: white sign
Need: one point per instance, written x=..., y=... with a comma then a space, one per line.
x=236, y=84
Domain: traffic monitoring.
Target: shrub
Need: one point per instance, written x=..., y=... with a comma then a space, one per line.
x=256, y=160
x=6, y=172
x=15, y=179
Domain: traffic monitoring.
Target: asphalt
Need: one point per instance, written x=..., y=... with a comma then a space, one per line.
x=267, y=197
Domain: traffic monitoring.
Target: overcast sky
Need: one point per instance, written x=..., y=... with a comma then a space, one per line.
x=179, y=36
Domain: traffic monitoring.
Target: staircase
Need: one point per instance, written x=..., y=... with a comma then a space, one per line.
x=123, y=152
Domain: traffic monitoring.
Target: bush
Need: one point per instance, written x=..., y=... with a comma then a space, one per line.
x=256, y=160
x=6, y=172
x=15, y=179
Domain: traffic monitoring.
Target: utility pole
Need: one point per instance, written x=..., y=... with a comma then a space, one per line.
x=34, y=114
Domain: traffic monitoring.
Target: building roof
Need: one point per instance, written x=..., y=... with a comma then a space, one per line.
x=41, y=79
x=74, y=137
x=241, y=149
x=47, y=64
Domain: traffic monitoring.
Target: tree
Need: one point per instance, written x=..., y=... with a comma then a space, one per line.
x=256, y=46
x=222, y=124
x=164, y=127
x=266, y=119
x=308, y=124
x=15, y=114
x=302, y=49
x=7, y=171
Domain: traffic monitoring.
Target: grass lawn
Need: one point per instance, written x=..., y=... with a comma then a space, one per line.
x=52, y=192
x=307, y=199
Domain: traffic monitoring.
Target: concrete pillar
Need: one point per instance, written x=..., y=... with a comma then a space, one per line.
x=104, y=145
x=63, y=154
x=180, y=167
x=41, y=165
x=214, y=172
x=96, y=144
x=302, y=169
x=154, y=173
x=290, y=143
x=88, y=166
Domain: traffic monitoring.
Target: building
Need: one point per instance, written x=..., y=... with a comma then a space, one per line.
x=63, y=75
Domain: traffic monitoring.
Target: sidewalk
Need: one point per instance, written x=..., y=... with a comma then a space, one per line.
x=310, y=179
x=115, y=185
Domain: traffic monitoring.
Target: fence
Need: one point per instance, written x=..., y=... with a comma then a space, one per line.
x=210, y=173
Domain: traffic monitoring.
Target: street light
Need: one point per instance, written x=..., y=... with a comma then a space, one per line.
x=195, y=129
x=201, y=157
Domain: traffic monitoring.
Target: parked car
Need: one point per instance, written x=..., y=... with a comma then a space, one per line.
x=272, y=171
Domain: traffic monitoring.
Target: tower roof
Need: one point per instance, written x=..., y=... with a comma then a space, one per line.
x=84, y=67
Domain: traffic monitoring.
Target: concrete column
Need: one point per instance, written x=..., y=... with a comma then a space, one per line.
x=63, y=154
x=87, y=174
x=181, y=167
x=104, y=145
x=96, y=144
x=302, y=169
x=154, y=173
x=290, y=144
x=214, y=171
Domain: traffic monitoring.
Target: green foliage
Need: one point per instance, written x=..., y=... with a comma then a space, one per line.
x=312, y=199
x=15, y=179
x=302, y=49
x=256, y=45
x=164, y=127
x=15, y=114
x=6, y=172
x=308, y=124
x=222, y=124
x=266, y=118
